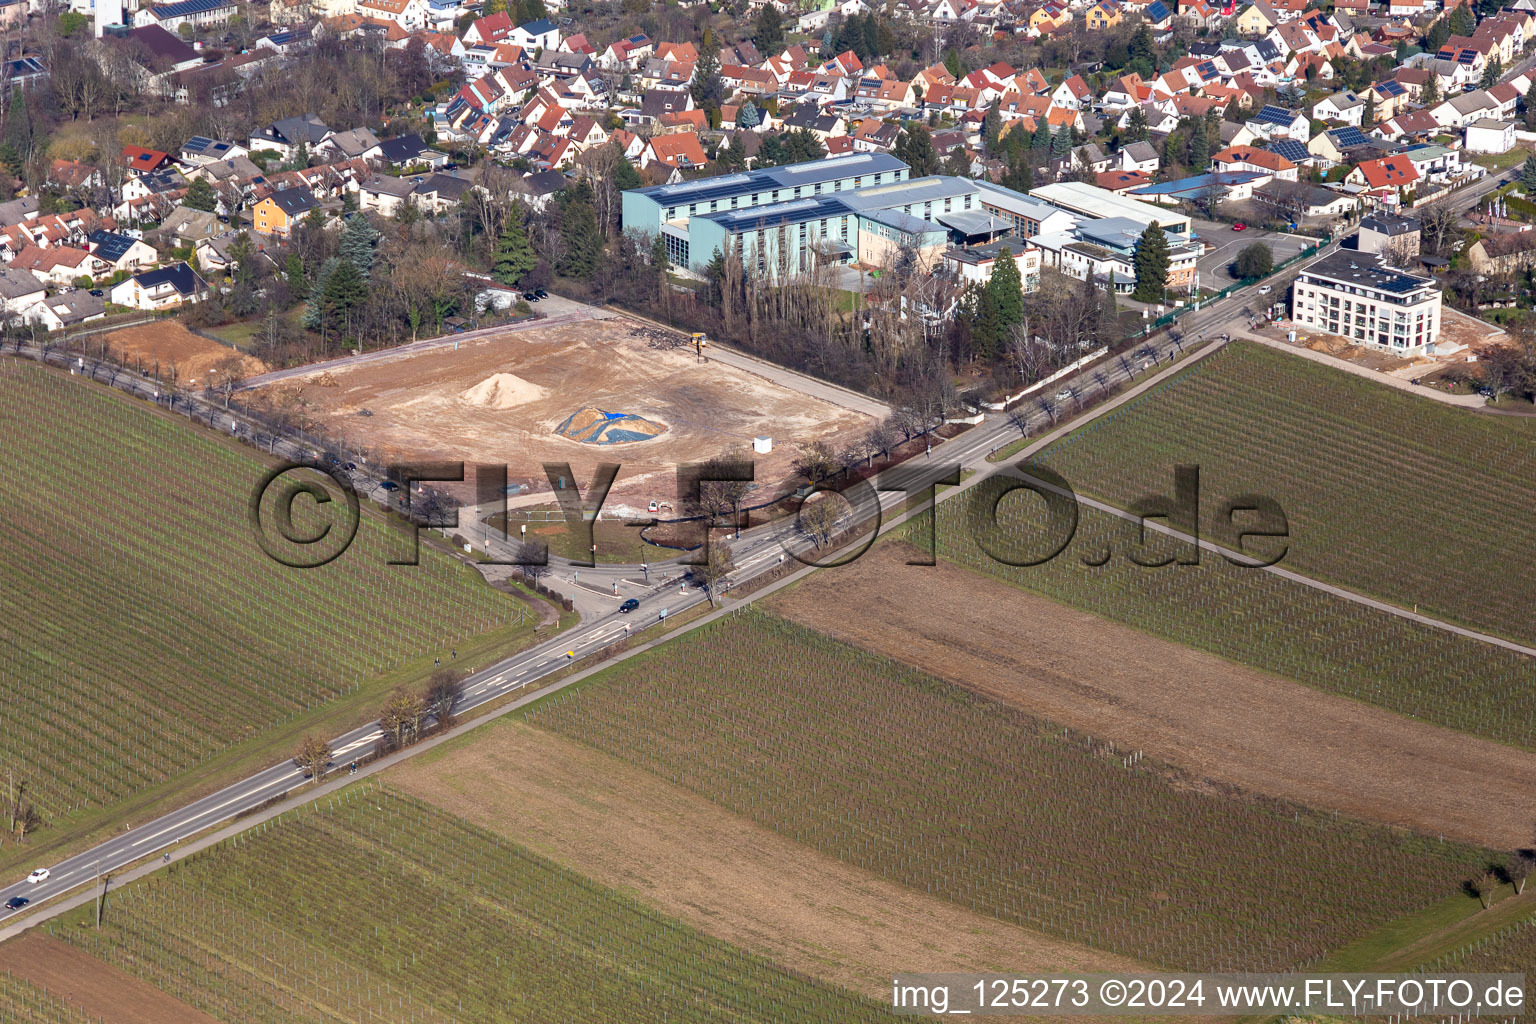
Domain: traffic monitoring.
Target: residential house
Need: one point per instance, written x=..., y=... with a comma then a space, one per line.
x=122, y=252
x=200, y=150
x=410, y=15
x=290, y=135
x=69, y=307
x=279, y=212
x=537, y=35
x=385, y=195
x=357, y=144
x=165, y=288
x=410, y=150
x=1388, y=177
x=59, y=264
x=1346, y=106
x=681, y=151
x=196, y=14
x=1489, y=136
x=18, y=290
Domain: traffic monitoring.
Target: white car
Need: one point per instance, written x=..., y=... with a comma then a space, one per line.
x=1064, y=395
x=1265, y=290
x=40, y=875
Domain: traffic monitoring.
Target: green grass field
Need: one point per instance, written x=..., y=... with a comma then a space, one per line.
x=21, y=1000
x=1252, y=617
x=376, y=907
x=144, y=629
x=1388, y=494
x=872, y=762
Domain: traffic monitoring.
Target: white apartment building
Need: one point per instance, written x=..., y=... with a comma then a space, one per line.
x=1357, y=296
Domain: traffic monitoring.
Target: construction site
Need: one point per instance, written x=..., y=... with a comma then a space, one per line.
x=580, y=392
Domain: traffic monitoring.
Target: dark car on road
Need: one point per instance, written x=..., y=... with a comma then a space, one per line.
x=16, y=902
x=629, y=606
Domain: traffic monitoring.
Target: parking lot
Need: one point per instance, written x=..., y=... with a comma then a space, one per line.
x=1223, y=244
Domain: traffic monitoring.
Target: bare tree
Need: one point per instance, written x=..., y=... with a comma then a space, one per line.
x=533, y=559
x=28, y=819
x=716, y=568
x=1517, y=869
x=312, y=756
x=402, y=714
x=815, y=461
x=820, y=516
x=444, y=689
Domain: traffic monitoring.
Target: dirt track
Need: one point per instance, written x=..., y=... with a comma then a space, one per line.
x=423, y=406
x=98, y=988
x=1213, y=719
x=719, y=872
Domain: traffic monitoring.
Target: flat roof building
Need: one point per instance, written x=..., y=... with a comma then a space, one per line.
x=1359, y=297
x=1095, y=202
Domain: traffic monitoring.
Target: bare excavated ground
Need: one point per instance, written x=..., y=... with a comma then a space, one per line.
x=437, y=405
x=717, y=871
x=166, y=344
x=101, y=990
x=1214, y=720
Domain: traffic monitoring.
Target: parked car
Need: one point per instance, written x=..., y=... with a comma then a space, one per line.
x=1064, y=395
x=1239, y=226
x=1265, y=290
x=40, y=875
x=390, y=485
x=541, y=293
x=16, y=902
x=629, y=606
x=530, y=297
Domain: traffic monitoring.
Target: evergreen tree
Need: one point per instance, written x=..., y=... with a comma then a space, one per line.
x=659, y=258
x=357, y=245
x=293, y=270
x=1461, y=21
x=1061, y=143
x=1530, y=106
x=626, y=176
x=1006, y=289
x=20, y=131
x=747, y=116
x=200, y=196
x=1111, y=316
x=1368, y=119
x=314, y=312
x=980, y=313
x=1151, y=263
x=990, y=126
x=1528, y=175
x=768, y=33
x=1141, y=45
x=1431, y=91
x=1435, y=38
x=1492, y=73
x=583, y=242
x=1199, y=145
x=345, y=290
x=914, y=147
x=707, y=88
x=514, y=255
x=1040, y=146
x=1136, y=127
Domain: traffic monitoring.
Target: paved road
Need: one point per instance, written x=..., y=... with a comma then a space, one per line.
x=757, y=552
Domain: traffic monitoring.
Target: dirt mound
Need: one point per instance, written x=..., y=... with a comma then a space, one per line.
x=598, y=426
x=502, y=391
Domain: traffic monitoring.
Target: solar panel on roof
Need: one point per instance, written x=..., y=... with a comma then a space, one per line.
x=1290, y=149
x=1272, y=114
x=1350, y=136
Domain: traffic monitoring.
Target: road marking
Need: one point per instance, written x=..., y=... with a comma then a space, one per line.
x=203, y=814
